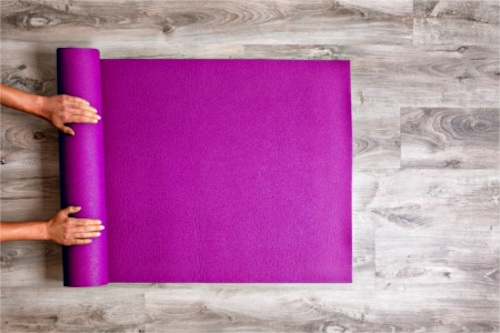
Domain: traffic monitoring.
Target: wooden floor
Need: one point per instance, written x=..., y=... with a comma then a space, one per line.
x=425, y=93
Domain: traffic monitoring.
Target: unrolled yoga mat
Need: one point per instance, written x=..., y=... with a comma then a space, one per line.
x=209, y=170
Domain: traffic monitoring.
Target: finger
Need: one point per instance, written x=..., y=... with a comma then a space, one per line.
x=90, y=228
x=63, y=128
x=85, y=113
x=79, y=100
x=86, y=222
x=81, y=241
x=67, y=130
x=71, y=210
x=81, y=106
x=83, y=119
x=85, y=235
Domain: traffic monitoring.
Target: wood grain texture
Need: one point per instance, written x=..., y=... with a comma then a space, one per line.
x=445, y=243
x=323, y=310
x=376, y=142
x=269, y=22
x=425, y=96
x=452, y=21
x=75, y=310
x=450, y=138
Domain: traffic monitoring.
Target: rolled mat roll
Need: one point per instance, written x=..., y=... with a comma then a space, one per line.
x=82, y=166
x=214, y=171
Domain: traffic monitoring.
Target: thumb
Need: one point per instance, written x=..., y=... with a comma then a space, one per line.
x=67, y=130
x=71, y=210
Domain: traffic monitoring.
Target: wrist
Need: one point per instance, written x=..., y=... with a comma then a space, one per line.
x=40, y=231
x=44, y=230
x=37, y=103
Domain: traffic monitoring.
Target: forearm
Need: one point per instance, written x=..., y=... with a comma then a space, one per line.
x=20, y=100
x=12, y=231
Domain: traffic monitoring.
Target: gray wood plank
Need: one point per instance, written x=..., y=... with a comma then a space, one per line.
x=28, y=263
x=248, y=309
x=292, y=308
x=58, y=309
x=29, y=146
x=438, y=230
x=450, y=138
x=452, y=21
x=376, y=139
x=29, y=177
x=207, y=22
x=29, y=209
x=430, y=78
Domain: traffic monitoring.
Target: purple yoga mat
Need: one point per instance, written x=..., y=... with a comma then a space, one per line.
x=209, y=170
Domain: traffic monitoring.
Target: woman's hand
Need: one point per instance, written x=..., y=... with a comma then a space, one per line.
x=67, y=230
x=61, y=229
x=58, y=109
x=61, y=109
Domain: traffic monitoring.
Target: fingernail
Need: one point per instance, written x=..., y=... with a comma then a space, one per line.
x=98, y=234
x=98, y=117
x=95, y=121
x=101, y=228
x=99, y=221
x=78, y=207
